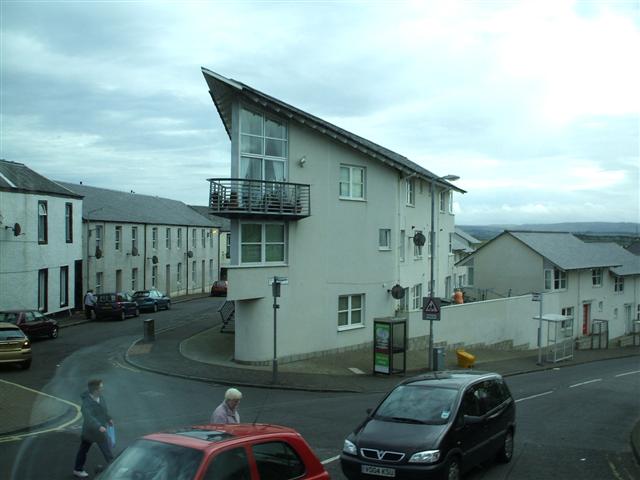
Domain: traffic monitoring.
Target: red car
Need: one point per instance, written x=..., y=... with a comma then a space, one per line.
x=31, y=322
x=219, y=452
x=219, y=288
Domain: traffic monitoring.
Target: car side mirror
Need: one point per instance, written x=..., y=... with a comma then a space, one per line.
x=472, y=420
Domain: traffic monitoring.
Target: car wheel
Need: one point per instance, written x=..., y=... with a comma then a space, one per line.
x=25, y=365
x=506, y=451
x=168, y=305
x=452, y=472
x=54, y=333
x=123, y=315
x=155, y=307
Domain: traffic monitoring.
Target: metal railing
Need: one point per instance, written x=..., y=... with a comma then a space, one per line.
x=237, y=197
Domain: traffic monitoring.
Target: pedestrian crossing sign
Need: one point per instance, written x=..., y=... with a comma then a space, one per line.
x=430, y=308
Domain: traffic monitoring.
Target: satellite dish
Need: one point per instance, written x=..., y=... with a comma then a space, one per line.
x=419, y=239
x=397, y=291
x=134, y=251
x=98, y=252
x=190, y=253
x=17, y=229
x=154, y=259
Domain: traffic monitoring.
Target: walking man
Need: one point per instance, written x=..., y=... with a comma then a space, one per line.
x=227, y=411
x=89, y=304
x=96, y=418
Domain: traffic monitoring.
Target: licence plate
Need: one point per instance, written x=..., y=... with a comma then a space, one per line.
x=380, y=471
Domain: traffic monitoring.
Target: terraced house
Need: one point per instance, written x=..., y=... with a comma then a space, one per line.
x=342, y=218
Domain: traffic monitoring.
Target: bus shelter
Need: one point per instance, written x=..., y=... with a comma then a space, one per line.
x=555, y=336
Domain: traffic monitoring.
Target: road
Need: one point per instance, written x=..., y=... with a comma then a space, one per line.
x=573, y=422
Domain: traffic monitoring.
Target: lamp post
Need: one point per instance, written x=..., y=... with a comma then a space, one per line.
x=432, y=237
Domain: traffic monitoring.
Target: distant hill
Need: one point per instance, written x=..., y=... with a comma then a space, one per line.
x=601, y=231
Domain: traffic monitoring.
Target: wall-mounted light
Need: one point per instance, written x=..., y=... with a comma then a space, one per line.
x=302, y=161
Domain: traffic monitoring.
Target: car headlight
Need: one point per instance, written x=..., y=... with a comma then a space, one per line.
x=349, y=447
x=428, y=456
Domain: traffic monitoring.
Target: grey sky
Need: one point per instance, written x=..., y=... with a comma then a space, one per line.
x=534, y=104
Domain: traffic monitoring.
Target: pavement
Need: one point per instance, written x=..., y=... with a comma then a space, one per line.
x=199, y=351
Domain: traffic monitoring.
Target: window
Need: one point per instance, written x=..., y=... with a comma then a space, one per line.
x=448, y=292
x=384, y=239
x=179, y=241
x=211, y=235
x=68, y=222
x=202, y=238
x=154, y=276
x=596, y=277
x=167, y=238
x=451, y=243
x=555, y=279
x=99, y=237
x=118, y=237
x=443, y=201
x=350, y=311
x=262, y=243
x=193, y=238
x=42, y=222
x=134, y=279
x=154, y=238
x=98, y=282
x=548, y=279
x=402, y=245
x=450, y=203
x=277, y=461
x=351, y=182
x=470, y=275
x=193, y=272
x=618, y=285
x=601, y=305
x=210, y=270
x=404, y=301
x=64, y=286
x=416, y=296
x=228, y=465
x=263, y=147
x=411, y=191
x=179, y=274
x=227, y=250
x=134, y=238
x=43, y=289
x=567, y=325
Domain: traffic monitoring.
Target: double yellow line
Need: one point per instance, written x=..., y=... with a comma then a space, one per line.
x=14, y=438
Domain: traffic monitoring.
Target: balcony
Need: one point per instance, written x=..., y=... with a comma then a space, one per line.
x=243, y=198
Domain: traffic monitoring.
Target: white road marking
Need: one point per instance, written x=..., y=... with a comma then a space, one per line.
x=586, y=383
x=77, y=416
x=534, y=396
x=118, y=364
x=329, y=460
x=628, y=373
x=357, y=371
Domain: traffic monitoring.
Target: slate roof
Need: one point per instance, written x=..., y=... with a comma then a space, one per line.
x=469, y=238
x=17, y=177
x=459, y=245
x=223, y=223
x=223, y=90
x=101, y=204
x=570, y=253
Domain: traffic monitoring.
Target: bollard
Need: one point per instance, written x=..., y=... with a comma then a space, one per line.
x=149, y=330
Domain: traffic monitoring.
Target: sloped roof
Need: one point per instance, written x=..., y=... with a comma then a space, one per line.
x=223, y=90
x=570, y=253
x=469, y=238
x=17, y=177
x=458, y=245
x=101, y=204
x=223, y=223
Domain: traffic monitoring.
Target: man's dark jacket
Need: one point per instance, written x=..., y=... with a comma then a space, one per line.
x=95, y=415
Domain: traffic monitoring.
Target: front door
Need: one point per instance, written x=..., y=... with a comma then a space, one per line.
x=628, y=319
x=118, y=280
x=586, y=318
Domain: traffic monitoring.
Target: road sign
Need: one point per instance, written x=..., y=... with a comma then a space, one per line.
x=430, y=308
x=535, y=297
x=280, y=280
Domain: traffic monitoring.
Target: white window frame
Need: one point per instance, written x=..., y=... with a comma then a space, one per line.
x=350, y=183
x=350, y=325
x=450, y=200
x=118, y=237
x=98, y=236
x=64, y=286
x=193, y=271
x=263, y=244
x=210, y=270
x=416, y=297
x=154, y=238
x=470, y=275
x=154, y=276
x=402, y=245
x=179, y=239
x=443, y=201
x=134, y=237
x=618, y=284
x=193, y=238
x=179, y=274
x=99, y=281
x=450, y=243
x=68, y=222
x=262, y=156
x=596, y=277
x=559, y=279
x=203, y=238
x=566, y=324
x=167, y=238
x=43, y=224
x=384, y=239
x=410, y=187
x=134, y=279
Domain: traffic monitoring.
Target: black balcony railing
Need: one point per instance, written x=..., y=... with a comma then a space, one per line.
x=239, y=197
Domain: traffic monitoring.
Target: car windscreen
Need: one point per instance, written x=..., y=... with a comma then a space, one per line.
x=418, y=404
x=11, y=334
x=140, y=294
x=150, y=460
x=8, y=317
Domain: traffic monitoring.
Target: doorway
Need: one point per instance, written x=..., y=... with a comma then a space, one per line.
x=77, y=286
x=586, y=318
x=167, y=286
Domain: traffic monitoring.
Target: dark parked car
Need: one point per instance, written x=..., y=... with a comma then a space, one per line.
x=117, y=305
x=219, y=452
x=152, y=300
x=219, y=288
x=15, y=347
x=32, y=322
x=437, y=425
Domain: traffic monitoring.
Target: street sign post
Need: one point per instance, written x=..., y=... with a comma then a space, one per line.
x=537, y=297
x=275, y=283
